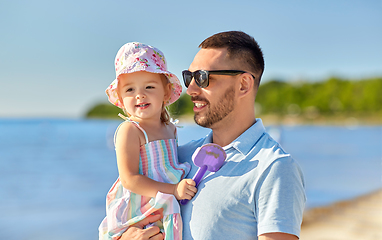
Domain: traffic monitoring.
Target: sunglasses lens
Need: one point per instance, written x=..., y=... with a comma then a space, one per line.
x=187, y=77
x=201, y=78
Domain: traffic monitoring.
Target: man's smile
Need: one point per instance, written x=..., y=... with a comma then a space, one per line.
x=200, y=105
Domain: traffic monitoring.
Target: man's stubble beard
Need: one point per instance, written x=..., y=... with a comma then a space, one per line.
x=216, y=113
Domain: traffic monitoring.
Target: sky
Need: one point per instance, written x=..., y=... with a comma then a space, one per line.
x=57, y=57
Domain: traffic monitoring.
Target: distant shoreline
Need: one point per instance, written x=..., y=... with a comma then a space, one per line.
x=289, y=120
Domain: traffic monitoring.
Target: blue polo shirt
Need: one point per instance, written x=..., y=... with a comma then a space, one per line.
x=259, y=189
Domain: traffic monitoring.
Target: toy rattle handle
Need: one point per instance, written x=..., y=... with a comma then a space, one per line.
x=199, y=175
x=197, y=178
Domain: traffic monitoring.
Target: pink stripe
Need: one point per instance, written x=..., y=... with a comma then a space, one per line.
x=177, y=227
x=144, y=160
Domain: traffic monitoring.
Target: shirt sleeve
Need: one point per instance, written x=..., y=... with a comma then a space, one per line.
x=280, y=198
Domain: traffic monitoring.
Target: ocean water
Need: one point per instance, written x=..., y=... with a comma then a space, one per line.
x=54, y=174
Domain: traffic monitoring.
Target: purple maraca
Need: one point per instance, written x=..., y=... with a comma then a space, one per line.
x=207, y=157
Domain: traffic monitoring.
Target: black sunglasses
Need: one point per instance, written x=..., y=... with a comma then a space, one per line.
x=202, y=76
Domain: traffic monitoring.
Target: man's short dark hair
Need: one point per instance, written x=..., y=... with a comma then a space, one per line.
x=240, y=46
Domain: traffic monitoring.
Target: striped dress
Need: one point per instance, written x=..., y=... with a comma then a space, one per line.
x=159, y=161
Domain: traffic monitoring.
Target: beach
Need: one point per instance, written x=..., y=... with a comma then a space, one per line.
x=359, y=218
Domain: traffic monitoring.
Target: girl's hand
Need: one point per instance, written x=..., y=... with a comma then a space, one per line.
x=185, y=189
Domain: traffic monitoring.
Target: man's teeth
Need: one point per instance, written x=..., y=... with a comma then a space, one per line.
x=199, y=105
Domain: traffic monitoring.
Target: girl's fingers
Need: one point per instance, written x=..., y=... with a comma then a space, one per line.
x=192, y=189
x=190, y=194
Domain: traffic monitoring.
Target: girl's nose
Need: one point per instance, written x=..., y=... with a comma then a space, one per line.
x=140, y=95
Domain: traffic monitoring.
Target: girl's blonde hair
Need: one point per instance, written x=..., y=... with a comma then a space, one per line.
x=165, y=115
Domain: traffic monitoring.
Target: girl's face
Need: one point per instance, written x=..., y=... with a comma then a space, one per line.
x=143, y=94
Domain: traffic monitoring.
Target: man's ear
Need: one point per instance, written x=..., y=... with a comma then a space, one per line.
x=246, y=84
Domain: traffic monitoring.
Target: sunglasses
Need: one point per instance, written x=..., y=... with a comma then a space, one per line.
x=202, y=76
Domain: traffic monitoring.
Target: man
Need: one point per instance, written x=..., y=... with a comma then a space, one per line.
x=259, y=191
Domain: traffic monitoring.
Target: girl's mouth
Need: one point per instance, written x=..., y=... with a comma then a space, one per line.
x=143, y=105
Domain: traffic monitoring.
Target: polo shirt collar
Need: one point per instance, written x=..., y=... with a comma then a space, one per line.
x=246, y=140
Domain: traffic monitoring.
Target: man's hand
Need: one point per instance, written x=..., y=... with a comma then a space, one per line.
x=136, y=231
x=185, y=189
x=277, y=236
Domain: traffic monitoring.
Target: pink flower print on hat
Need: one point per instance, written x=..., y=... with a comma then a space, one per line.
x=143, y=62
x=159, y=60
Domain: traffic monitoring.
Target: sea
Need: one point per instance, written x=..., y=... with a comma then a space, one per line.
x=55, y=173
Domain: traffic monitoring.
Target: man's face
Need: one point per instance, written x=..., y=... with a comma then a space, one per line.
x=215, y=102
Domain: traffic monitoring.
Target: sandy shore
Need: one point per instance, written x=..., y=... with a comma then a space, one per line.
x=360, y=219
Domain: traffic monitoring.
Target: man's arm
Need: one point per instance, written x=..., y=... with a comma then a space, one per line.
x=281, y=200
x=277, y=236
x=136, y=231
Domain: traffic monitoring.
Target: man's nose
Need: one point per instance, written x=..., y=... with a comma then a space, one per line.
x=193, y=89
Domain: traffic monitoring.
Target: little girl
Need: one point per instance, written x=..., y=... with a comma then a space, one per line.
x=146, y=145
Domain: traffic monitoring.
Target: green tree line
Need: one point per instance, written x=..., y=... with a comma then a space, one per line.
x=311, y=99
x=333, y=96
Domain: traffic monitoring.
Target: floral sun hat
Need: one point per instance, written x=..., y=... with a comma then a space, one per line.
x=135, y=57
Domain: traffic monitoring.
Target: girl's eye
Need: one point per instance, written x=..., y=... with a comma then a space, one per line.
x=150, y=87
x=129, y=90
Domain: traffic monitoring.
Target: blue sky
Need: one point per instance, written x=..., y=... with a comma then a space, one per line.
x=57, y=57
